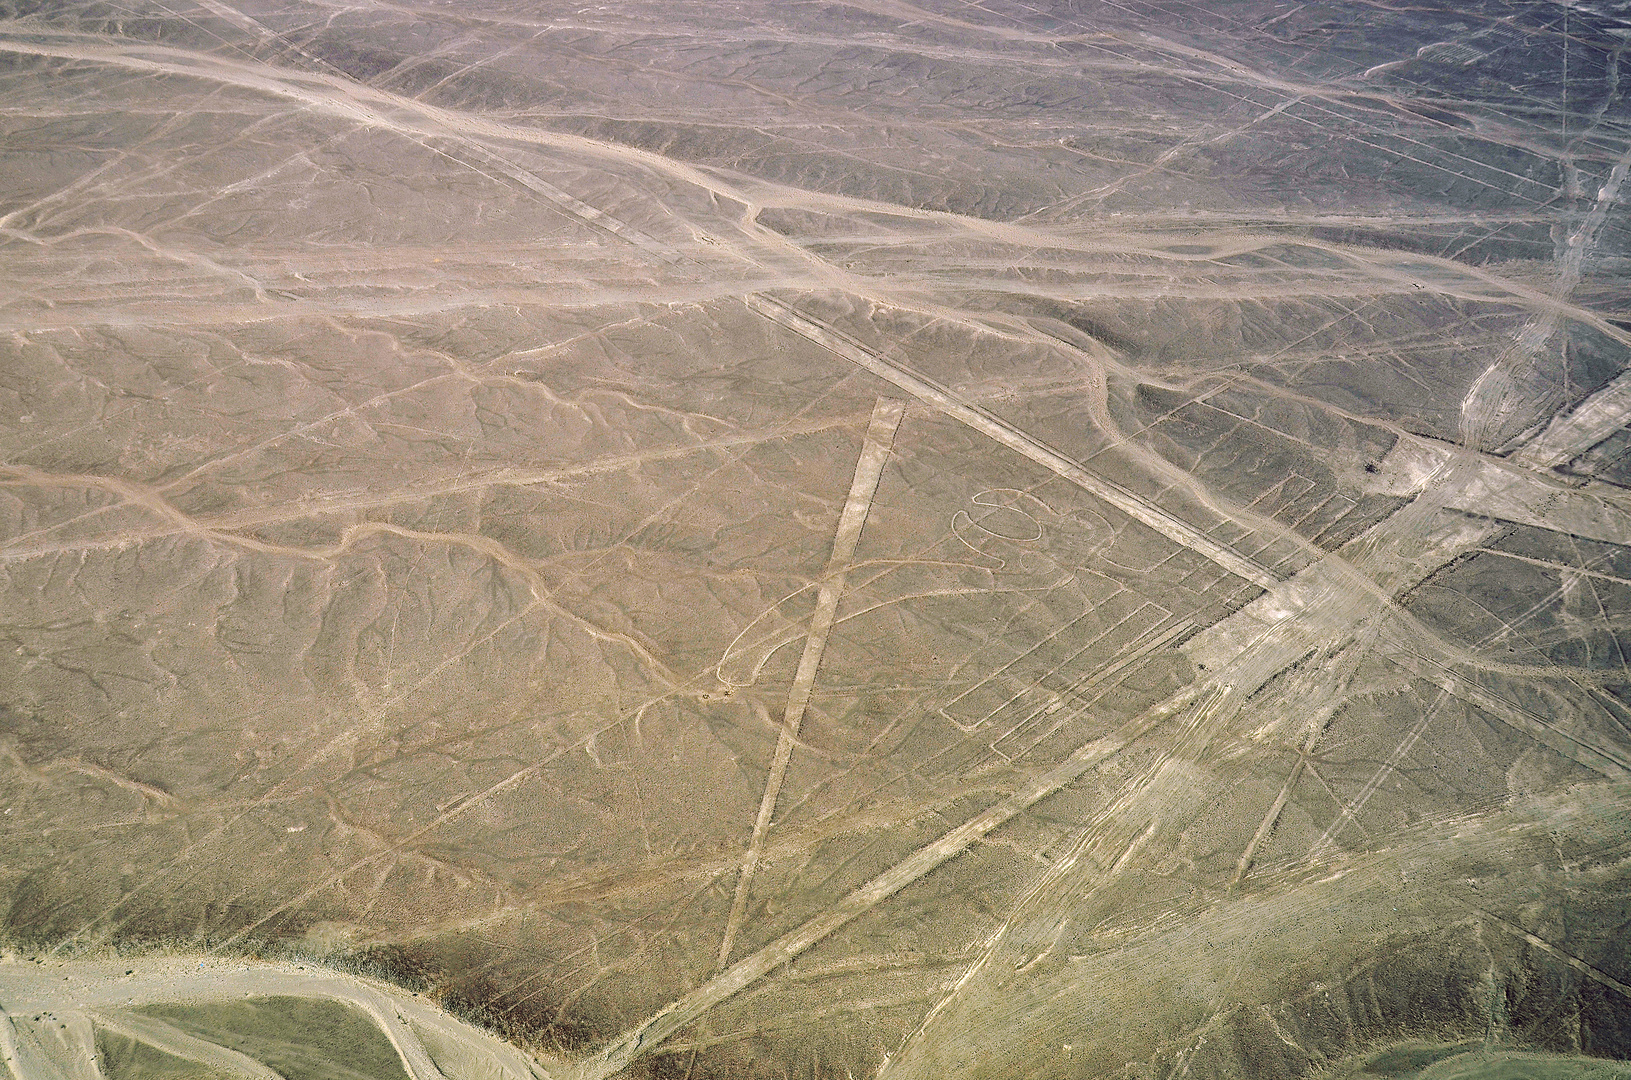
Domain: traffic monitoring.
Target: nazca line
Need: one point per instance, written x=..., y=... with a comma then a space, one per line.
x=617, y=1056
x=880, y=436
x=944, y=401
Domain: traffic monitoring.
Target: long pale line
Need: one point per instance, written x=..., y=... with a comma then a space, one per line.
x=1589, y=423
x=1042, y=643
x=1606, y=760
x=1215, y=704
x=1272, y=818
x=880, y=437
x=348, y=502
x=1327, y=841
x=1142, y=646
x=1180, y=532
x=1575, y=962
x=358, y=103
x=666, y=1021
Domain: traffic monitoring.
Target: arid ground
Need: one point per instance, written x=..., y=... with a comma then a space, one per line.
x=869, y=540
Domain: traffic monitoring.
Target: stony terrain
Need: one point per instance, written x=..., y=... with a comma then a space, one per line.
x=864, y=539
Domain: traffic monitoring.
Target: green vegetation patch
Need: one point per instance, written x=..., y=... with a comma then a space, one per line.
x=123, y=1058
x=301, y=1038
x=1473, y=1061
x=1410, y=1058
x=1510, y=1065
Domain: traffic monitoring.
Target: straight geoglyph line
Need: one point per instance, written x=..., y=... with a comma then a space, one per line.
x=1180, y=532
x=880, y=437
